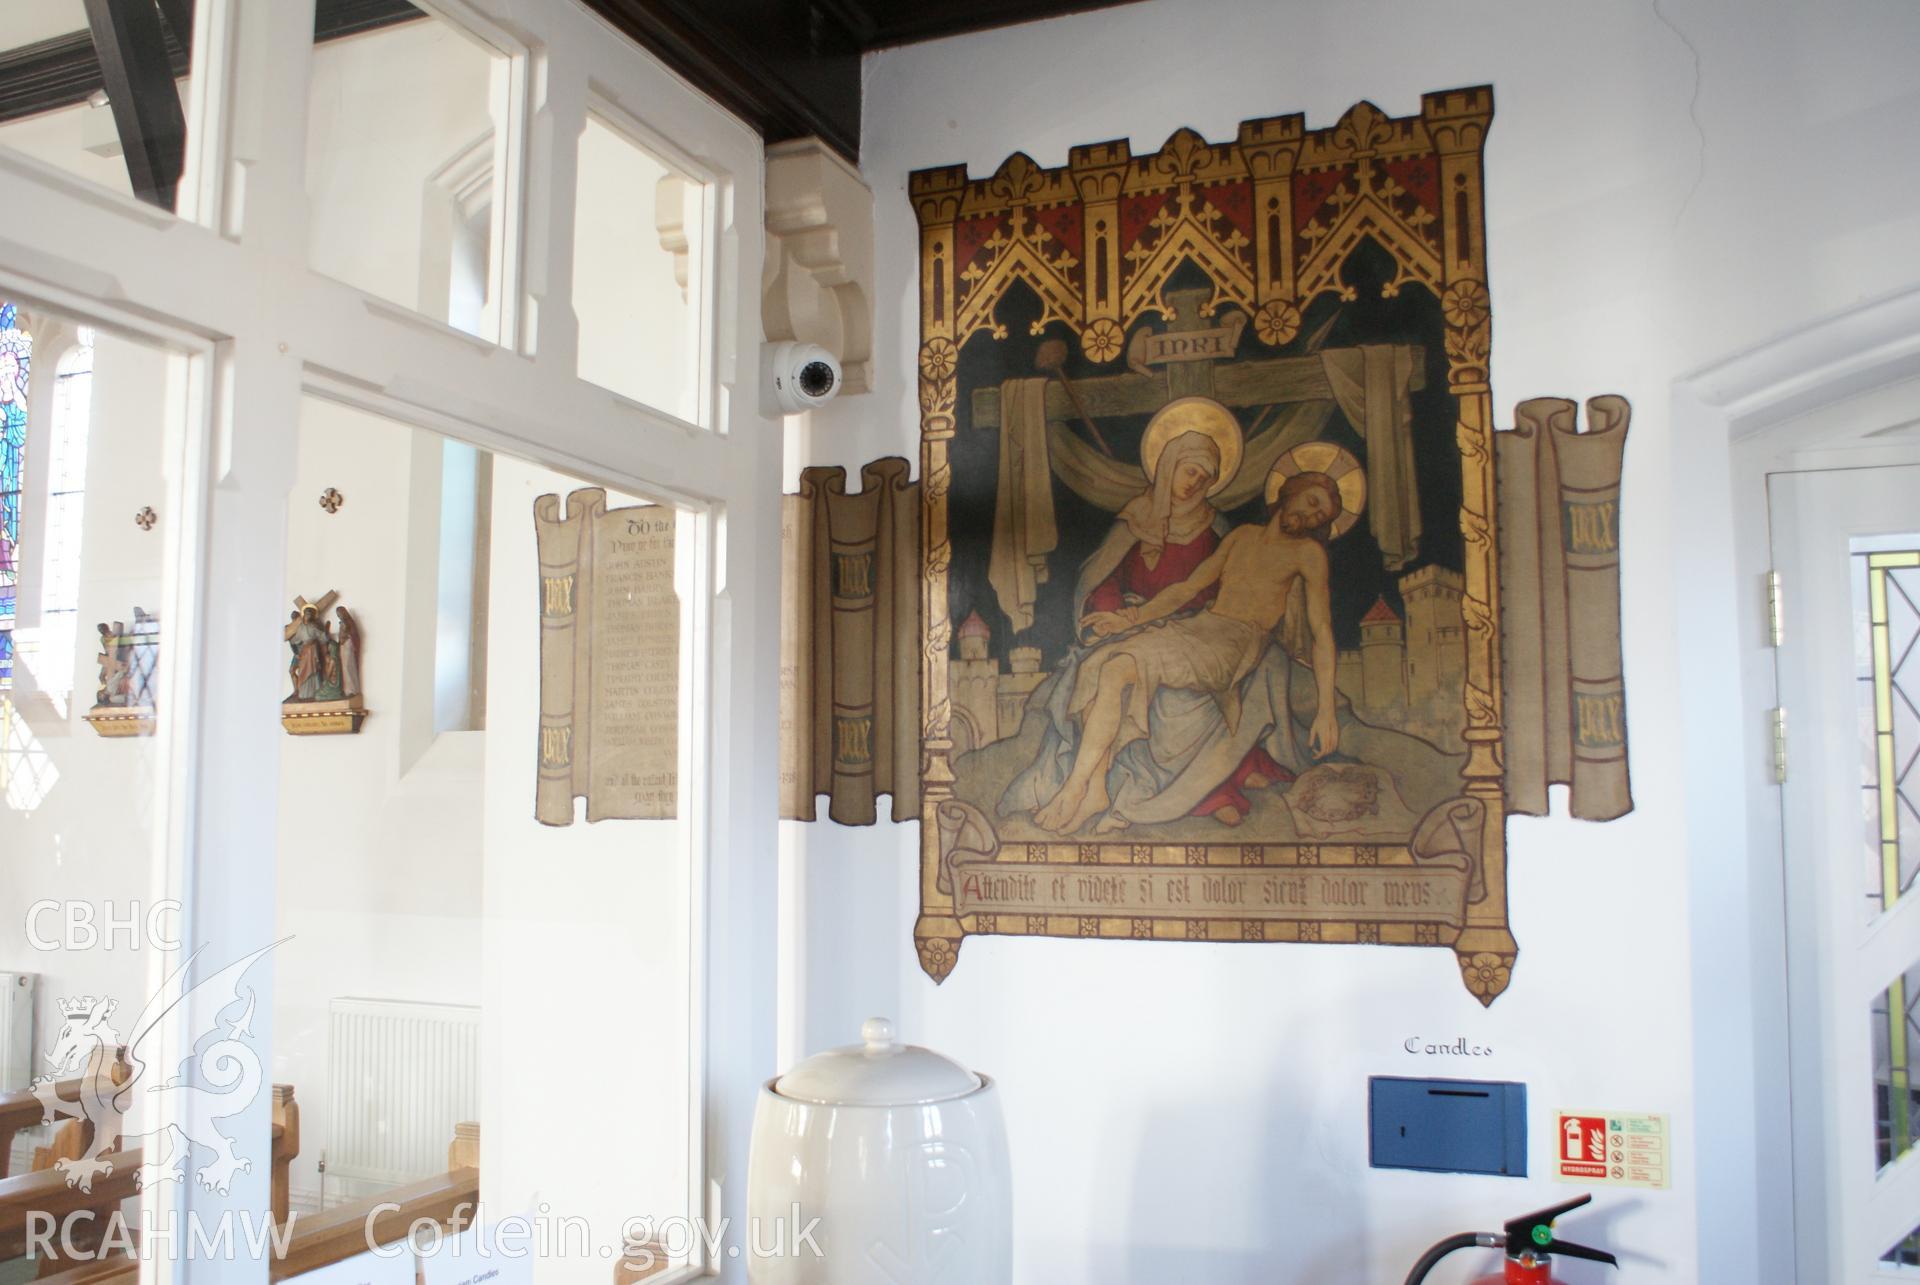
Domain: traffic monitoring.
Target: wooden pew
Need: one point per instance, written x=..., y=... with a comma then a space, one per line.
x=464, y=1151
x=44, y=1190
x=286, y=1146
x=316, y=1240
x=346, y=1230
x=448, y=1199
x=332, y=1235
x=47, y=1192
x=635, y=1268
x=339, y=1233
x=23, y=1109
x=69, y=1143
x=117, y=1268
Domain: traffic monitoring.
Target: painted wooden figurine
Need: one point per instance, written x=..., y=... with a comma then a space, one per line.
x=124, y=703
x=323, y=669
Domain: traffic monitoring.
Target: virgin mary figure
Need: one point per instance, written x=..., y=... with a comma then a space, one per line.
x=1189, y=454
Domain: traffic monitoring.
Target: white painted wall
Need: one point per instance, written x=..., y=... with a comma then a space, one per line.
x=80, y=139
x=1662, y=191
x=386, y=110
x=585, y=967
x=42, y=20
x=639, y=330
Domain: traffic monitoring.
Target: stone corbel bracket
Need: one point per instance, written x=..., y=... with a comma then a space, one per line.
x=670, y=221
x=819, y=275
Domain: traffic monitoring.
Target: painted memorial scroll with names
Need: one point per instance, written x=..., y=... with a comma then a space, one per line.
x=609, y=660
x=1214, y=581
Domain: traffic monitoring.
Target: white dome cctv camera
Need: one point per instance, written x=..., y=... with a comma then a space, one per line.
x=800, y=377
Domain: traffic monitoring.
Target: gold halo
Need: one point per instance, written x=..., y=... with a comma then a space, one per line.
x=1337, y=463
x=1201, y=415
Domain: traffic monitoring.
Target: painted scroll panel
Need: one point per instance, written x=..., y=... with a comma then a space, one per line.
x=610, y=642
x=1210, y=576
x=850, y=633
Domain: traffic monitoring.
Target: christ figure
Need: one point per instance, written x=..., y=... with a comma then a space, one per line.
x=307, y=636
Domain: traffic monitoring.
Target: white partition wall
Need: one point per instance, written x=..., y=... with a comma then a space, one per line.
x=464, y=329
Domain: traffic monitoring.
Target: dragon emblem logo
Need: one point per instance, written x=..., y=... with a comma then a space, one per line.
x=227, y=1077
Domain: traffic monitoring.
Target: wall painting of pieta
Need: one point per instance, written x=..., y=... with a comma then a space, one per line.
x=1211, y=587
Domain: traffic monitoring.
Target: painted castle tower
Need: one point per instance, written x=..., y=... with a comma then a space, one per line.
x=987, y=701
x=1407, y=673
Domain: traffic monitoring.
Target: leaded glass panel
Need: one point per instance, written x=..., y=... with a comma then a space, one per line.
x=1895, y=1040
x=1887, y=613
x=1886, y=589
x=16, y=364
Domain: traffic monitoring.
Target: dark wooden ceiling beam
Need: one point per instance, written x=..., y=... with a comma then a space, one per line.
x=789, y=68
x=60, y=72
x=904, y=23
x=132, y=48
x=179, y=16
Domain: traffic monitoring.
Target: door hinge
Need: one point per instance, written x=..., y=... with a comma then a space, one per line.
x=1776, y=611
x=1777, y=722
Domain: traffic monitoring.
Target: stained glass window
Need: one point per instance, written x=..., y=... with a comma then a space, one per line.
x=1887, y=586
x=65, y=470
x=1886, y=591
x=16, y=361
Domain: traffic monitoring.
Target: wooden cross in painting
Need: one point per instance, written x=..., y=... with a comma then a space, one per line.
x=1195, y=372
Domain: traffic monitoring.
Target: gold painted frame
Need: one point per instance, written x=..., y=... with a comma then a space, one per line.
x=1367, y=893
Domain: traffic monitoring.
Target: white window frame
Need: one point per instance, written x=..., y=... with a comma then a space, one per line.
x=227, y=285
x=606, y=107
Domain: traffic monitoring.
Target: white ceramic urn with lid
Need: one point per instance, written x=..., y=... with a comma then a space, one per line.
x=902, y=1156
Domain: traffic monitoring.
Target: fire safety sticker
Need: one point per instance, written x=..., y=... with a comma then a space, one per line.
x=1611, y=1150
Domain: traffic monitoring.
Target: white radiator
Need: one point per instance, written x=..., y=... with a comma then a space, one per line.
x=16, y=1030
x=400, y=1075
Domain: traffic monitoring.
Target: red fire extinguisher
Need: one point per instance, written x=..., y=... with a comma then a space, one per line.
x=1530, y=1245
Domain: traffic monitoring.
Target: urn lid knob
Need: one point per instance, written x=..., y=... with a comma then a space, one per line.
x=878, y=1071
